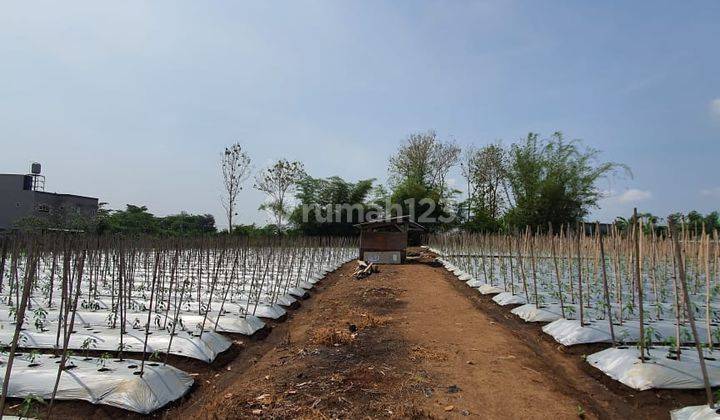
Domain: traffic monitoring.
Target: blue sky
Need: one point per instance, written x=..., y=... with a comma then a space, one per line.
x=132, y=101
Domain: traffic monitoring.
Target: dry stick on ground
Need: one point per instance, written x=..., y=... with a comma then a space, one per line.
x=605, y=286
x=20, y=318
x=638, y=282
x=80, y=263
x=691, y=317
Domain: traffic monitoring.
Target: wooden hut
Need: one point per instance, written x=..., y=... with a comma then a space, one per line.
x=385, y=241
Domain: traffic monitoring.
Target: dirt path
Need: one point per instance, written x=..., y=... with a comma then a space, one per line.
x=409, y=341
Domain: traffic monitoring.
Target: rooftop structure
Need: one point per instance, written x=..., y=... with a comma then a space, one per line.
x=23, y=196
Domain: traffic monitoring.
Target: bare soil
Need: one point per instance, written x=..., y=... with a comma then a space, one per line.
x=411, y=341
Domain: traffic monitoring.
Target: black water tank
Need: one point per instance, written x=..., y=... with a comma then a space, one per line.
x=27, y=182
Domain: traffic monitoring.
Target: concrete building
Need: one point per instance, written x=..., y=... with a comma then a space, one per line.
x=23, y=196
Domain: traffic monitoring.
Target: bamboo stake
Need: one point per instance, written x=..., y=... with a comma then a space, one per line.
x=691, y=317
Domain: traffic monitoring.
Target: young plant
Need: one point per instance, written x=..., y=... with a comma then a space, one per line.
x=623, y=336
x=671, y=343
x=28, y=408
x=39, y=318
x=32, y=357
x=120, y=348
x=570, y=311
x=102, y=361
x=87, y=344
x=156, y=355
x=12, y=312
x=110, y=319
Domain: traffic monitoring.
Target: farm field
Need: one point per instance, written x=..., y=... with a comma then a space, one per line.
x=286, y=329
x=427, y=345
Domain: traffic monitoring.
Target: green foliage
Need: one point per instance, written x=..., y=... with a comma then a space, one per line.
x=68, y=219
x=331, y=206
x=28, y=408
x=694, y=221
x=279, y=182
x=480, y=220
x=420, y=201
x=553, y=181
x=255, y=231
x=136, y=220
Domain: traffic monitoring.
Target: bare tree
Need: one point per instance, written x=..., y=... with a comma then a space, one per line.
x=278, y=181
x=235, y=165
x=425, y=159
x=486, y=172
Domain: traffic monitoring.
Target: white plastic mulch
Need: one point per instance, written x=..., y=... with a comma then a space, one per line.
x=659, y=372
x=184, y=343
x=568, y=332
x=119, y=386
x=695, y=412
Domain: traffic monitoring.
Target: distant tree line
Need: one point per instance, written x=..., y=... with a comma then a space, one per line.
x=533, y=182
x=694, y=222
x=138, y=220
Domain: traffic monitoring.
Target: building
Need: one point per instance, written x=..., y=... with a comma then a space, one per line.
x=23, y=197
x=385, y=241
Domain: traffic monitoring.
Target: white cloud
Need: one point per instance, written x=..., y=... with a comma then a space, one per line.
x=633, y=195
x=710, y=192
x=715, y=107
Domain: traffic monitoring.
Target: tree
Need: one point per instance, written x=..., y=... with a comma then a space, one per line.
x=424, y=205
x=425, y=160
x=486, y=172
x=331, y=206
x=185, y=224
x=133, y=220
x=235, y=166
x=554, y=180
x=278, y=182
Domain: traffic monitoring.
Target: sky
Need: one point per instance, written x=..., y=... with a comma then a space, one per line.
x=134, y=101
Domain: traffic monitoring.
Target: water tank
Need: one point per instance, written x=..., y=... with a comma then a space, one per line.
x=35, y=168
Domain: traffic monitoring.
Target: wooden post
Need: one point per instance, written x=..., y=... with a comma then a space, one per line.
x=579, y=263
x=605, y=285
x=691, y=317
x=557, y=270
x=638, y=281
